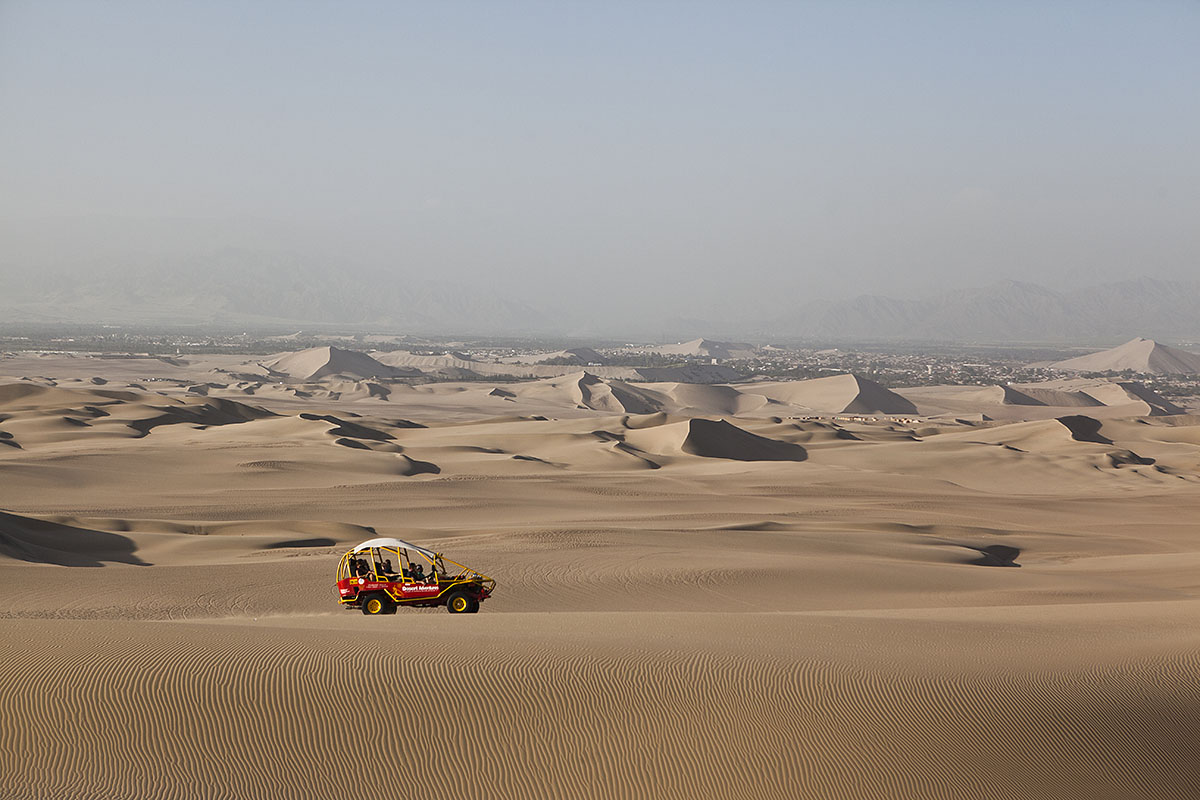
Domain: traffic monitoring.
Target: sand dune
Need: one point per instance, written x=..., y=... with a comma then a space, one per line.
x=445, y=363
x=320, y=362
x=45, y=542
x=1138, y=355
x=1042, y=400
x=1032, y=395
x=571, y=356
x=585, y=390
x=1129, y=393
x=707, y=399
x=713, y=439
x=701, y=589
x=839, y=394
x=708, y=348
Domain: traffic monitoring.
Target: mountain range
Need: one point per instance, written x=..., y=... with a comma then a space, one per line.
x=236, y=288
x=1007, y=311
x=232, y=287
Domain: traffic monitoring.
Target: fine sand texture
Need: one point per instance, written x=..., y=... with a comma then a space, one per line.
x=701, y=590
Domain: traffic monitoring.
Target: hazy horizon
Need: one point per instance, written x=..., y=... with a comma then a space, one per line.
x=688, y=159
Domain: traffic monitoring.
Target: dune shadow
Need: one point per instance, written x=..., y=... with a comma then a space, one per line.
x=720, y=439
x=347, y=429
x=319, y=541
x=996, y=555
x=1084, y=429
x=42, y=542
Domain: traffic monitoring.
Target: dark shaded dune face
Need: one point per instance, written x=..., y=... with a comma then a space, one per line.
x=1084, y=429
x=599, y=394
x=349, y=429
x=719, y=439
x=997, y=555
x=319, y=541
x=410, y=466
x=42, y=542
x=1013, y=397
x=1062, y=399
x=1159, y=405
x=633, y=400
x=873, y=398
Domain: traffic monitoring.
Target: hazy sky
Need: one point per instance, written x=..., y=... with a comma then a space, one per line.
x=697, y=151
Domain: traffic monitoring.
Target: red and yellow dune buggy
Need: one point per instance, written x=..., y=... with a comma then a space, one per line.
x=380, y=575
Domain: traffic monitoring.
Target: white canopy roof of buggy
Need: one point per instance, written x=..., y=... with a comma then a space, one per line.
x=395, y=544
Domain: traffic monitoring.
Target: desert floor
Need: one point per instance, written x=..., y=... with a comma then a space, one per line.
x=717, y=599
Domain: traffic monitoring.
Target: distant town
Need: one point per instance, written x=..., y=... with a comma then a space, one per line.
x=698, y=361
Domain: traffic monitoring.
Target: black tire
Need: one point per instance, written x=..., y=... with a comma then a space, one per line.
x=474, y=608
x=376, y=604
x=459, y=603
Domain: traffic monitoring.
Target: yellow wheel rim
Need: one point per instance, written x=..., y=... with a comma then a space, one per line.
x=460, y=603
x=373, y=605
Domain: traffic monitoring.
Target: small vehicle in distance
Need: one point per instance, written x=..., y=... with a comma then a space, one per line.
x=380, y=575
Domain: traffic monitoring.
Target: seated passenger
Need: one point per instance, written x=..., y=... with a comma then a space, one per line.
x=388, y=571
x=418, y=573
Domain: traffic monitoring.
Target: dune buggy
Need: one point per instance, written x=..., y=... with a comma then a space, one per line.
x=380, y=575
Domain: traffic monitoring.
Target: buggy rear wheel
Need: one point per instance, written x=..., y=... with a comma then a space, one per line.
x=376, y=604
